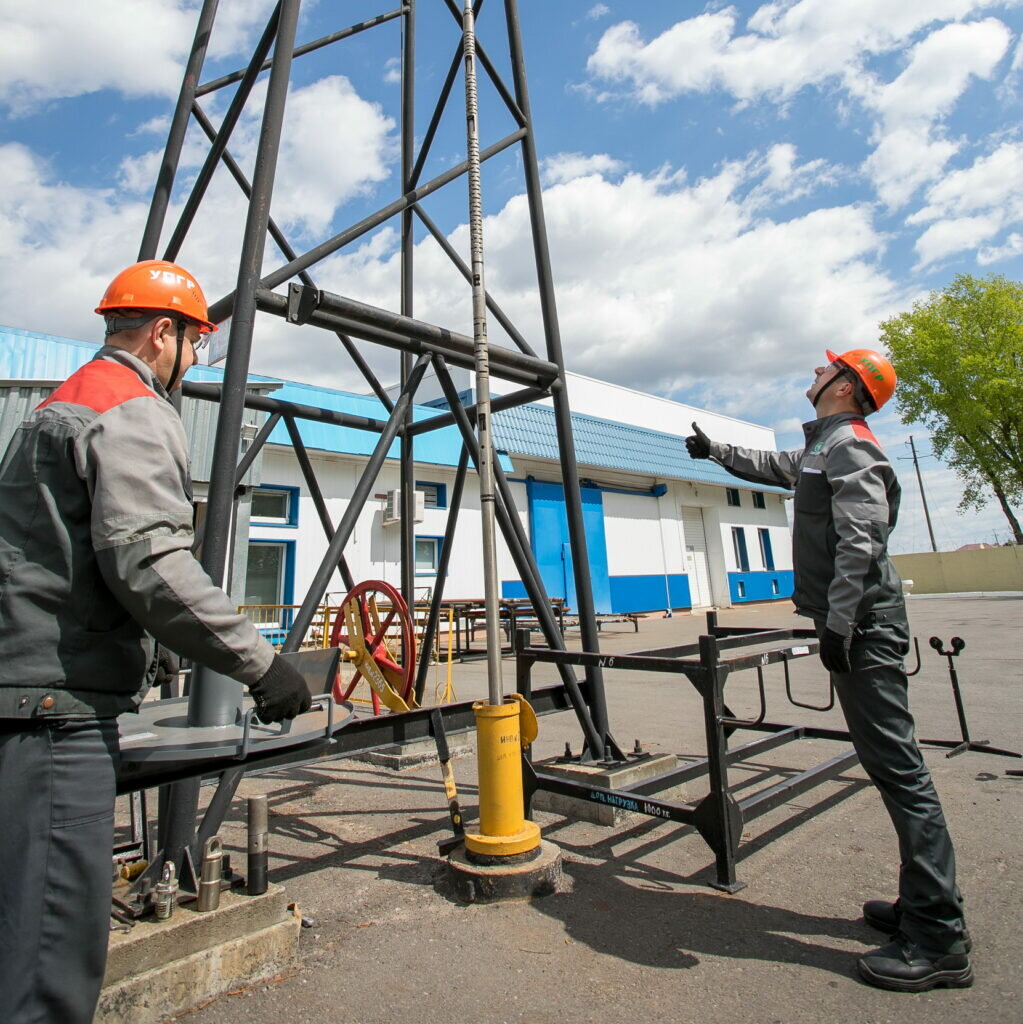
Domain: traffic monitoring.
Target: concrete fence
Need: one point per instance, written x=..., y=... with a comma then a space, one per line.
x=958, y=572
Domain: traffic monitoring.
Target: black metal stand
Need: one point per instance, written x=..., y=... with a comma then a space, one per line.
x=959, y=746
x=719, y=816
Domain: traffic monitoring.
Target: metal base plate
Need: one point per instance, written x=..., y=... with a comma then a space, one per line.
x=160, y=731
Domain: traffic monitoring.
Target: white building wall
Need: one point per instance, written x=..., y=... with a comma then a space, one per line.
x=374, y=550
x=632, y=529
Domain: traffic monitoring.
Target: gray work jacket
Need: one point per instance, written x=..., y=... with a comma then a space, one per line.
x=95, y=551
x=845, y=506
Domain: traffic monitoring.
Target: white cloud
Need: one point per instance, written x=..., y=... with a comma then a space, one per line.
x=905, y=160
x=598, y=11
x=911, y=150
x=64, y=48
x=666, y=285
x=392, y=70
x=788, y=46
x=970, y=206
x=786, y=179
x=824, y=43
x=989, y=183
x=995, y=254
x=566, y=166
x=939, y=70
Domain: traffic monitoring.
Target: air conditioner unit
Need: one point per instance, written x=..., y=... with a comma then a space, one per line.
x=392, y=507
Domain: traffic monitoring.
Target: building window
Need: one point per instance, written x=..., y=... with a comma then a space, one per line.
x=759, y=501
x=428, y=555
x=275, y=506
x=267, y=576
x=766, y=553
x=775, y=587
x=732, y=494
x=434, y=495
x=739, y=544
x=740, y=589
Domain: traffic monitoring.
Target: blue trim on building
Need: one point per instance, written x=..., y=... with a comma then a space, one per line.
x=678, y=590
x=442, y=492
x=287, y=588
x=294, y=493
x=513, y=590
x=548, y=538
x=639, y=593
x=440, y=550
x=760, y=586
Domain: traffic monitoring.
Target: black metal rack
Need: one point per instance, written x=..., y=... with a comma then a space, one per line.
x=719, y=816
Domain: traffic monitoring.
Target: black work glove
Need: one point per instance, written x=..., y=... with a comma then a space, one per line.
x=834, y=651
x=280, y=692
x=168, y=665
x=698, y=444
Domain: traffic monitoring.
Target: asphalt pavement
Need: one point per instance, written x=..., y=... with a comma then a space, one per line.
x=637, y=933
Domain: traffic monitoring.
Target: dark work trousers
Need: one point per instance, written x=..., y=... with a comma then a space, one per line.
x=56, y=839
x=875, y=701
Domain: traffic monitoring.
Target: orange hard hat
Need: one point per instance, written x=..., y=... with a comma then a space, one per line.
x=875, y=373
x=161, y=286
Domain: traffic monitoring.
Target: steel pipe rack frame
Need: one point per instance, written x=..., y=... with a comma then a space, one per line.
x=344, y=318
x=707, y=664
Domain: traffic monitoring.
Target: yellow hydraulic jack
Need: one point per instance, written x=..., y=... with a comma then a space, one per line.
x=506, y=858
x=502, y=733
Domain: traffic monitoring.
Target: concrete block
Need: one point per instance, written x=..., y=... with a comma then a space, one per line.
x=400, y=756
x=162, y=968
x=606, y=778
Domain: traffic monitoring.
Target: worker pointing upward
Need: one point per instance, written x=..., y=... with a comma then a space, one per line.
x=846, y=504
x=95, y=562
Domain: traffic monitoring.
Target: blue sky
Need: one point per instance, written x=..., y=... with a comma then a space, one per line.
x=729, y=188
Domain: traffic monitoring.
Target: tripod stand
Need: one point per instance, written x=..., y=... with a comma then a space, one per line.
x=958, y=746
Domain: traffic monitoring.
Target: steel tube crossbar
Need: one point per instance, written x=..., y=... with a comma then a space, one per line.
x=449, y=419
x=543, y=376
x=218, y=83
x=694, y=770
x=428, y=334
x=263, y=403
x=781, y=793
x=222, y=308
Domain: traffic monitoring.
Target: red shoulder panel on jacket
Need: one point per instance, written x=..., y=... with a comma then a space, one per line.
x=860, y=429
x=100, y=385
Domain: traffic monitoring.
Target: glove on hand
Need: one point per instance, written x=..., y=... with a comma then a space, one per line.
x=168, y=665
x=698, y=444
x=280, y=692
x=834, y=651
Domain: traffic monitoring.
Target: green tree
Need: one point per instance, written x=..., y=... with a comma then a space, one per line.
x=959, y=358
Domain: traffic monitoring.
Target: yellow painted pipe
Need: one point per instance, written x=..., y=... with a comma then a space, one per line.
x=504, y=830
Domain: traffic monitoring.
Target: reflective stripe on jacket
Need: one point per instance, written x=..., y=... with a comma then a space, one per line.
x=846, y=504
x=95, y=551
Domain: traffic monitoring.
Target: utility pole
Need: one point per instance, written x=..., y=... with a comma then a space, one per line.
x=923, y=496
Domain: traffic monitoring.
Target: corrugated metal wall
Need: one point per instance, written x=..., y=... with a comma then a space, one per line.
x=19, y=398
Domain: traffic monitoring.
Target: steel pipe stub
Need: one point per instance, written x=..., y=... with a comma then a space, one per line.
x=502, y=731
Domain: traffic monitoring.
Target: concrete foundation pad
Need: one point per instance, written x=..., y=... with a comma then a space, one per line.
x=616, y=777
x=400, y=756
x=492, y=883
x=162, y=968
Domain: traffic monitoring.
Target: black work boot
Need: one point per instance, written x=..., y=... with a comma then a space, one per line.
x=905, y=967
x=884, y=916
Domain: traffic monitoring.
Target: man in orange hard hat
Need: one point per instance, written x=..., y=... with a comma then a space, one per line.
x=846, y=504
x=95, y=562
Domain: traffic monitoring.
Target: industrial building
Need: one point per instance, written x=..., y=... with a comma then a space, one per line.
x=663, y=531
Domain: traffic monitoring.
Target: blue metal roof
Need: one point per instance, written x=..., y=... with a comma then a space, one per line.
x=526, y=430
x=530, y=430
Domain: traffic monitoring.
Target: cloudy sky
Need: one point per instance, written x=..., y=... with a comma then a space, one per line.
x=729, y=189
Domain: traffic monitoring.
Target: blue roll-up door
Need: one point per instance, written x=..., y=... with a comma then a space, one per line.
x=548, y=535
